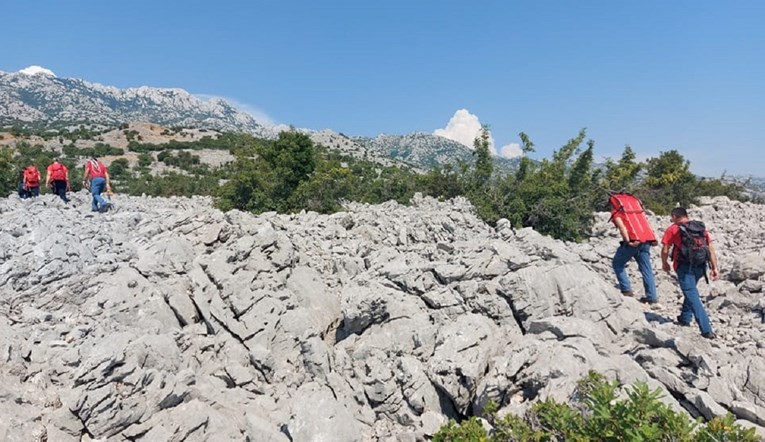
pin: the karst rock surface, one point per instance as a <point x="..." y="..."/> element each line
<point x="168" y="320"/>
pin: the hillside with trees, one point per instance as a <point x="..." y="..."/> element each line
<point x="556" y="196"/>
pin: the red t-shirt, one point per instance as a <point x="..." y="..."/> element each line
<point x="674" y="238"/>
<point x="97" y="170"/>
<point x="57" y="172"/>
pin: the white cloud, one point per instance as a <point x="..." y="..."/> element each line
<point x="34" y="70"/>
<point x="511" y="150"/>
<point x="465" y="127"/>
<point x="260" y="116"/>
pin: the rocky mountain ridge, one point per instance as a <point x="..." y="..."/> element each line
<point x="45" y="98"/>
<point x="169" y="320"/>
<point x="38" y="97"/>
<point x="426" y="150"/>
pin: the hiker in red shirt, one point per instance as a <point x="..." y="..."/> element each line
<point x="692" y="251"/>
<point x="628" y="216"/>
<point x="32" y="181"/>
<point x="99" y="181"/>
<point x="57" y="179"/>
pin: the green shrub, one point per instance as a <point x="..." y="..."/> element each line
<point x="118" y="167"/>
<point x="596" y="414"/>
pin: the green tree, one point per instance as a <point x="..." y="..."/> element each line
<point x="291" y="158"/>
<point x="484" y="166"/>
<point x="525" y="164"/>
<point x="622" y="175"/>
<point x="669" y="182"/>
<point x="268" y="181"/>
<point x="543" y="199"/>
<point x="325" y="190"/>
<point x="445" y="182"/>
<point x="145" y="159"/>
<point x="118" y="167"/>
<point x="9" y="172"/>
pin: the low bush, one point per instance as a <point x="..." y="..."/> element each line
<point x="597" y="414"/>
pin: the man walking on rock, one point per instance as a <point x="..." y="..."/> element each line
<point x="632" y="246"/>
<point x="99" y="181"/>
<point x="689" y="271"/>
<point x="57" y="179"/>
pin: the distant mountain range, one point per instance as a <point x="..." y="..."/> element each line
<point x="44" y="98"/>
<point x="36" y="97"/>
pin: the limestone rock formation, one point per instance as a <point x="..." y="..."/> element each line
<point x="168" y="320"/>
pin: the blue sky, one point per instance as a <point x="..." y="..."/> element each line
<point x="657" y="75"/>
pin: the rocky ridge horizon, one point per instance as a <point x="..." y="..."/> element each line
<point x="38" y="96"/>
<point x="170" y="320"/>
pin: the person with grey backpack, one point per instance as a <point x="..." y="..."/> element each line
<point x="692" y="253"/>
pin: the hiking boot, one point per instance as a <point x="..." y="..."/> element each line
<point x="628" y="293"/>
<point x="682" y="323"/>
<point x="709" y="335"/>
<point x="645" y="300"/>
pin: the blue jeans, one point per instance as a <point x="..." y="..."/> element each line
<point x="642" y="255"/>
<point x="97" y="187"/>
<point x="34" y="191"/>
<point x="688" y="277"/>
<point x="59" y="188"/>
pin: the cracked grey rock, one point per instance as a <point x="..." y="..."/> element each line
<point x="169" y="320"/>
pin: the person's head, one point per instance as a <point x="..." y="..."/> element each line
<point x="55" y="160"/>
<point x="678" y="213"/>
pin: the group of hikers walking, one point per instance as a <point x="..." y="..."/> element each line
<point x="57" y="180"/>
<point x="686" y="242"/>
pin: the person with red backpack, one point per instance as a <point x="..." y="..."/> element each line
<point x="628" y="215"/>
<point x="57" y="179"/>
<point x="32" y="181"/>
<point x="99" y="181"/>
<point x="23" y="194"/>
<point x="692" y="252"/>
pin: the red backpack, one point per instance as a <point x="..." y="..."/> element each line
<point x="32" y="176"/>
<point x="627" y="207"/>
<point x="57" y="172"/>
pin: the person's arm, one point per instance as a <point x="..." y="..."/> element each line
<point x="47" y="178"/>
<point x="623" y="232"/>
<point x="84" y="175"/>
<point x="665" y="258"/>
<point x="108" y="181"/>
<point x="714" y="271"/>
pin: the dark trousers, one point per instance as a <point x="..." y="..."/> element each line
<point x="34" y="191"/>
<point x="23" y="193"/>
<point x="59" y="188"/>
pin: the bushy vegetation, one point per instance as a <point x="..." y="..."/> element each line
<point x="596" y="413"/>
<point x="291" y="174"/>
<point x="556" y="196"/>
<point x="99" y="150"/>
<point x="226" y="141"/>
